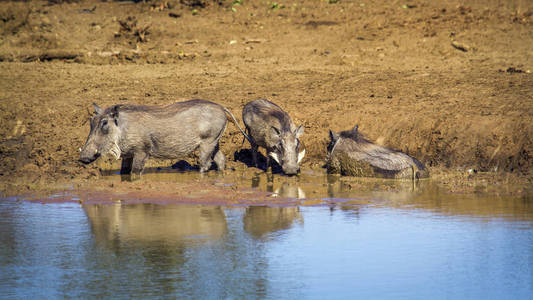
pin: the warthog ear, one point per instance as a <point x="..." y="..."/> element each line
<point x="114" y="114"/>
<point x="274" y="155"/>
<point x="299" y="131"/>
<point x="333" y="136"/>
<point x="97" y="109"/>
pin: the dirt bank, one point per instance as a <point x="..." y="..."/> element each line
<point x="448" y="82"/>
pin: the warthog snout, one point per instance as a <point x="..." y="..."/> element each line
<point x="291" y="170"/>
<point x="87" y="158"/>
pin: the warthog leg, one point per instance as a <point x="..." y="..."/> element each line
<point x="139" y="158"/>
<point x="219" y="159"/>
<point x="126" y="165"/>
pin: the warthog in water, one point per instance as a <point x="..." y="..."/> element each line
<point x="270" y="127"/>
<point x="135" y="133"/>
<point x="350" y="154"/>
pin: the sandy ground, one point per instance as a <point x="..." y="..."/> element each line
<point x="448" y="82"/>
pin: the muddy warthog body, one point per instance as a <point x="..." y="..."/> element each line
<point x="270" y="127"/>
<point x="350" y="154"/>
<point x="135" y="133"/>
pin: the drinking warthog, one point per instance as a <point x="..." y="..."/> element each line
<point x="135" y="133"/>
<point x="270" y="127"/>
<point x="350" y="154"/>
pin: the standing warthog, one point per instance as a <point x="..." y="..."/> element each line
<point x="135" y="133"/>
<point x="270" y="127"/>
<point x="350" y="154"/>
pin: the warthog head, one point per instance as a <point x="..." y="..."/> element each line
<point x="103" y="137"/>
<point x="335" y="137"/>
<point x="289" y="151"/>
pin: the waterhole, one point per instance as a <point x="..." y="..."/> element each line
<point x="306" y="237"/>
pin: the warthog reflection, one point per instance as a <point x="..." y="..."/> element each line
<point x="286" y="190"/>
<point x="261" y="220"/>
<point x="283" y="189"/>
<point x="150" y="223"/>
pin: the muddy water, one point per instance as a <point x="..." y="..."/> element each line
<point x="321" y="238"/>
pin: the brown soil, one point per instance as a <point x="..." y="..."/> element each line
<point x="448" y="82"/>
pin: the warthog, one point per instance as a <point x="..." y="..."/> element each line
<point x="135" y="133"/>
<point x="350" y="154"/>
<point x="270" y="127"/>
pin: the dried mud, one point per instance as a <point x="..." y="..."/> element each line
<point x="448" y="82"/>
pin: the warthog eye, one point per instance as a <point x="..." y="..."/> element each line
<point x="105" y="127"/>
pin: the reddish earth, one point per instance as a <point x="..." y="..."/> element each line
<point x="448" y="82"/>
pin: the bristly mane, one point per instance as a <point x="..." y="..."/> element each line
<point x="274" y="111"/>
<point x="354" y="134"/>
<point x="155" y="109"/>
<point x="283" y="118"/>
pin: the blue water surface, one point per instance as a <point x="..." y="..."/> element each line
<point x="367" y="251"/>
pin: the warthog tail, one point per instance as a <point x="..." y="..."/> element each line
<point x="237" y="124"/>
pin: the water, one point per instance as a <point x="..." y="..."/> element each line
<point x="420" y="245"/>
